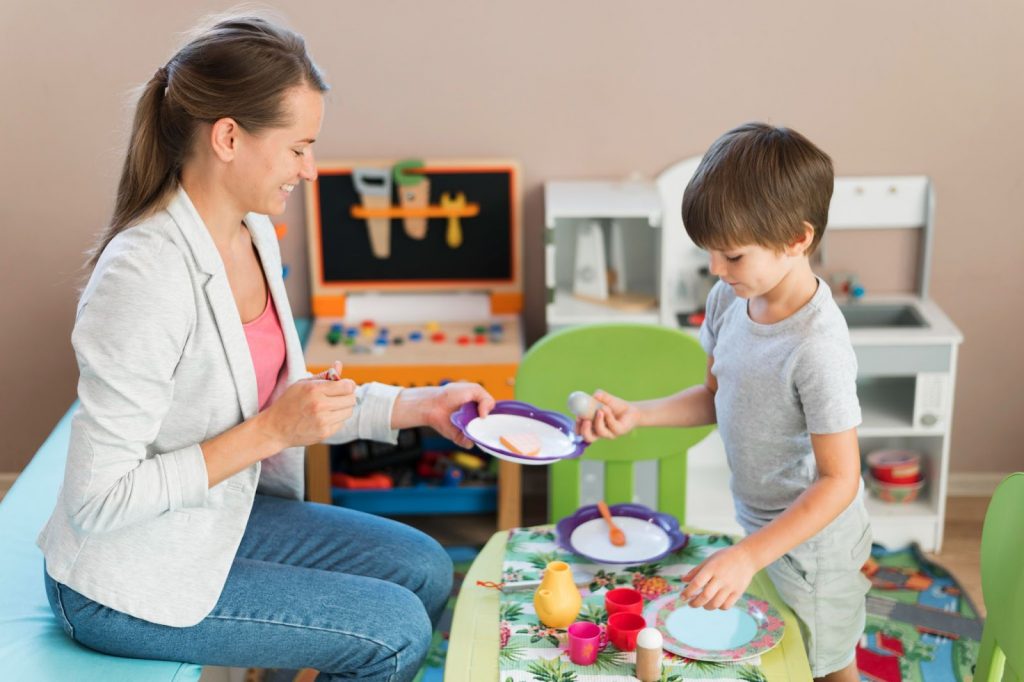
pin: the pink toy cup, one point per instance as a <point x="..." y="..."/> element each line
<point x="583" y="642"/>
<point x="623" y="600"/>
<point x="623" y="629"/>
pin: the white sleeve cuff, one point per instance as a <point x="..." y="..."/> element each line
<point x="187" y="478"/>
<point x="371" y="420"/>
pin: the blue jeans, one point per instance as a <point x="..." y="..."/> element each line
<point x="352" y="595"/>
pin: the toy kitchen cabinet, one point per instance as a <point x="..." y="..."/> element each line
<point x="880" y="238"/>
<point x="617" y="251"/>
<point x="602" y="250"/>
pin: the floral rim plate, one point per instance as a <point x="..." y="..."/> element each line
<point x="557" y="433"/>
<point x="750" y="628"/>
<point x="655" y="534"/>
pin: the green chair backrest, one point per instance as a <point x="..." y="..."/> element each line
<point x="634" y="362"/>
<point x="1002" y="584"/>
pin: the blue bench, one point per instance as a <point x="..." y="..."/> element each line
<point x="32" y="645"/>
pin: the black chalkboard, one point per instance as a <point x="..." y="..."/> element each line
<point x="487" y="251"/>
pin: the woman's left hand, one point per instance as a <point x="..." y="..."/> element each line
<point x="433" y="406"/>
<point x="721" y="579"/>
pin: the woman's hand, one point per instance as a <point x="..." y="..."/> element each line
<point x="433" y="406"/>
<point x="721" y="579"/>
<point x="615" y="417"/>
<point x="309" y="411"/>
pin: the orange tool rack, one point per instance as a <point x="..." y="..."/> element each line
<point x="416" y="279"/>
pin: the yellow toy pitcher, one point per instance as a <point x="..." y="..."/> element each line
<point x="557" y="599"/>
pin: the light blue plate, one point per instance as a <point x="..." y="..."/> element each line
<point x="748" y="629"/>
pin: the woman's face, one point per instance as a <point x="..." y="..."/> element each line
<point x="271" y="163"/>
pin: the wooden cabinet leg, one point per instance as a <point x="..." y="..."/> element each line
<point x="318" y="473"/>
<point x="509" y="495"/>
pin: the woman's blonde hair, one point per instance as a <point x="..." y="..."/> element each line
<point x="240" y="67"/>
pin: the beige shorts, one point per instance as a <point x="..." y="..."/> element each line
<point x="821" y="581"/>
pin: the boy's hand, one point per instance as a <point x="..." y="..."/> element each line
<point x="723" y="577"/>
<point x="616" y="417"/>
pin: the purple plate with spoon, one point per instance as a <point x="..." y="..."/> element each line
<point x="554" y="431"/>
<point x="650" y="535"/>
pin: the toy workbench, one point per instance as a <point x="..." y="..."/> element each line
<point x="416" y="278"/>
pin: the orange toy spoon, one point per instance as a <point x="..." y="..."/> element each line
<point x="615" y="534"/>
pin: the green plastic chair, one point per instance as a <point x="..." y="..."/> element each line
<point x="634" y="362"/>
<point x="1002" y="584"/>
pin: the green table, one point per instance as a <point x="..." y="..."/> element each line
<point x="473" y="643"/>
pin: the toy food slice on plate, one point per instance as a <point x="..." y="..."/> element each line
<point x="748" y="629"/>
<point x="527" y="444"/>
<point x="519" y="432"/>
<point x="650" y="535"/>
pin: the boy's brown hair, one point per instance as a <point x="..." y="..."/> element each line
<point x="757" y="184"/>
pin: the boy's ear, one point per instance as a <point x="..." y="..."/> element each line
<point x="799" y="246"/>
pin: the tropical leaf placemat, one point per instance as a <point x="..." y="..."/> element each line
<point x="533" y="652"/>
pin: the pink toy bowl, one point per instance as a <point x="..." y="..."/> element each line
<point x="901" y="493"/>
<point x="623" y="600"/>
<point x="895" y="466"/>
<point x="623" y="629"/>
<point x="584" y="642"/>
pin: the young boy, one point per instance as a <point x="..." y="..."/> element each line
<point x="781" y="386"/>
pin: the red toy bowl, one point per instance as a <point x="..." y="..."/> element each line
<point x="900" y="493"/>
<point x="895" y="466"/>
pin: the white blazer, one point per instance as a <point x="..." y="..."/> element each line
<point x="164" y="365"/>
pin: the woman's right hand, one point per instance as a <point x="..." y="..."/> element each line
<point x="615" y="417"/>
<point x="310" y="410"/>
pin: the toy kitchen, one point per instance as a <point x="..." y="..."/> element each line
<point x="876" y="256"/>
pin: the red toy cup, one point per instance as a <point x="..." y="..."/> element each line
<point x="623" y="629"/>
<point x="623" y="600"/>
<point x="583" y="642"/>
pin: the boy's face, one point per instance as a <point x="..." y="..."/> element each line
<point x="752" y="270"/>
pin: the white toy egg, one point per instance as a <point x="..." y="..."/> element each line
<point x="649" y="638"/>
<point x="583" y="405"/>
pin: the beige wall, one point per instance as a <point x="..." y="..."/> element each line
<point x="572" y="89"/>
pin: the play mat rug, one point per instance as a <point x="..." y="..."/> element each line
<point x="921" y="626"/>
<point x="530" y="652"/>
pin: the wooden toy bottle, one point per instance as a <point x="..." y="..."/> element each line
<point x="557" y="599"/>
<point x="648" y="655"/>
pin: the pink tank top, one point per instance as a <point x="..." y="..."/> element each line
<point x="266" y="345"/>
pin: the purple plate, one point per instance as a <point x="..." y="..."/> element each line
<point x="650" y="535"/>
<point x="555" y="431"/>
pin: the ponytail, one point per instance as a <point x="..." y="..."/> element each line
<point x="150" y="167"/>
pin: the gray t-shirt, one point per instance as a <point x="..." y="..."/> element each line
<point x="777" y="384"/>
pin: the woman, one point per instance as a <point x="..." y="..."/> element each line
<point x="180" y="532"/>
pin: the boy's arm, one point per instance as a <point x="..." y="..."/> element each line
<point x="730" y="571"/>
<point x="693" y="406"/>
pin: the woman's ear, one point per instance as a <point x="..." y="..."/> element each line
<point x="224" y="138"/>
<point x="799" y="246"/>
